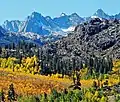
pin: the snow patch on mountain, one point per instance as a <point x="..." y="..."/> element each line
<point x="69" y="29"/>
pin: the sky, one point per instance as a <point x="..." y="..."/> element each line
<point x="20" y="9"/>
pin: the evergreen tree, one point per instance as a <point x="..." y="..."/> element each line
<point x="11" y="93"/>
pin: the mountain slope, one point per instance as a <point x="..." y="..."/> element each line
<point x="35" y="23"/>
<point x="66" y="21"/>
<point x="13" y="25"/>
<point x="2" y="31"/>
<point x="96" y="38"/>
<point x="51" y="23"/>
<point x="7" y="37"/>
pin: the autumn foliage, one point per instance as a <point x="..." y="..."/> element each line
<point x="27" y="65"/>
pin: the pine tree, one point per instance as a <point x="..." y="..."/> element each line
<point x="73" y="64"/>
<point x="91" y="61"/>
<point x="11" y="93"/>
<point x="45" y="97"/>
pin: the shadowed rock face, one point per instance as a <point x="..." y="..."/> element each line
<point x="2" y="31"/>
<point x="96" y="37"/>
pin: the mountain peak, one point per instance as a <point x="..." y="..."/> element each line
<point x="99" y="12"/>
<point x="48" y="18"/>
<point x="74" y="14"/>
<point x="35" y="14"/>
<point x="63" y="14"/>
<point x="12" y="25"/>
<point x="7" y="21"/>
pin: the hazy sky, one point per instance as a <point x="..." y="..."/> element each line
<point x="20" y="9"/>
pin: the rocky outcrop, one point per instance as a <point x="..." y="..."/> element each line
<point x="96" y="37"/>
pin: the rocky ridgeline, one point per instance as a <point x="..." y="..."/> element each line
<point x="97" y="37"/>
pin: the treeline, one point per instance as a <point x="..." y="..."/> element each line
<point x="19" y="50"/>
<point x="49" y="61"/>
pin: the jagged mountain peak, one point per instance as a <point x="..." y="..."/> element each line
<point x="6" y="21"/>
<point x="35" y="14"/>
<point x="39" y="24"/>
<point x="62" y="14"/>
<point x="100" y="11"/>
<point x="66" y="21"/>
<point x="75" y="15"/>
<point x="48" y="18"/>
<point x="101" y="14"/>
<point x="12" y="25"/>
<point x="12" y="21"/>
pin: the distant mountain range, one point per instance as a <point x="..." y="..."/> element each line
<point x="37" y="27"/>
<point x="36" y="23"/>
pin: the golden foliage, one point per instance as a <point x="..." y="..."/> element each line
<point x="30" y="84"/>
<point x="27" y="65"/>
